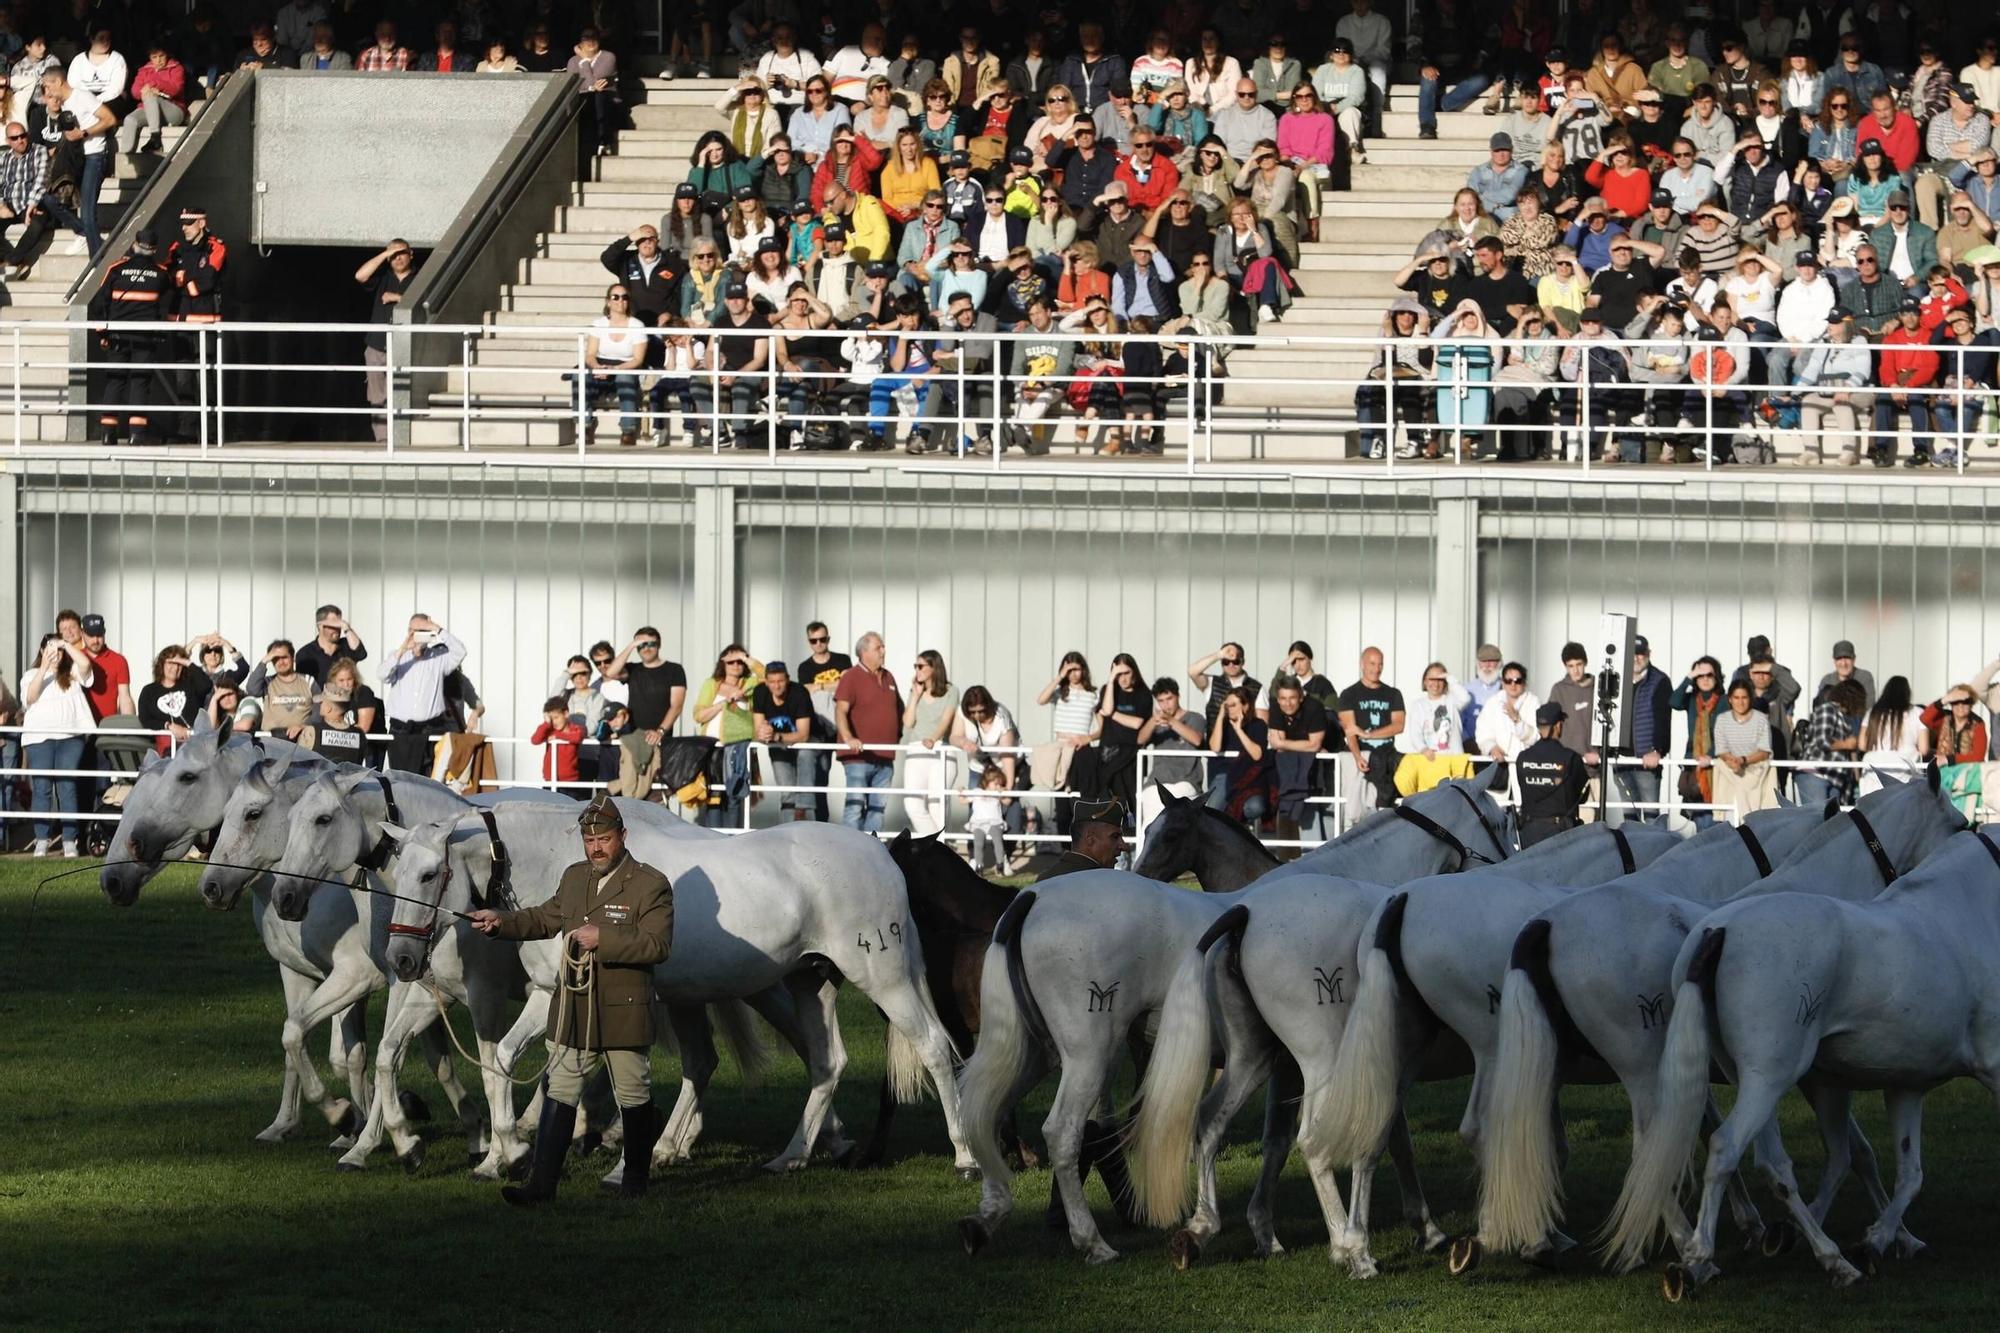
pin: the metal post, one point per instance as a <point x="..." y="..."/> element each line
<point x="714" y="396"/>
<point x="201" y="381"/>
<point x="582" y="394"/>
<point x="1389" y="405"/>
<point x="1708" y="420"/>
<point x="465" y="391"/>
<point x="19" y="371"/>
<point x="1207" y="410"/>
<point x="1140" y="777"/>
<point x="771" y="409"/>
<point x="1195" y="368"/>
<point x="1000" y="350"/>
<point x="221" y="360"/>
<point x="1583" y="412"/>
<point x="960" y="418"/>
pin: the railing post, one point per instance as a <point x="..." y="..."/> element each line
<point x="1388" y="405"/>
<point x="221" y="363"/>
<point x="1141" y="774"/>
<point x="1708" y="420"/>
<point x="714" y="395"/>
<point x="961" y="419"/>
<point x="201" y="382"/>
<point x="1001" y="351"/>
<point x="465" y="391"/>
<point x="582" y="396"/>
<point x="1196" y="369"/>
<point x="19" y="403"/>
<point x="1583" y="411"/>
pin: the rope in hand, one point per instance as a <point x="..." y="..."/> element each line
<point x="576" y="975"/>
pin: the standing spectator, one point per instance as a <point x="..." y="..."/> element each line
<point x="91" y="128"/>
<point x="1832" y="733"/>
<point x="656" y="688"/>
<point x="1844" y="669"/>
<point x="987" y="733"/>
<point x="333" y="639"/>
<point x="110" y="684"/>
<point x="927" y="720"/>
<point x="1123" y="705"/>
<point x="1298" y="727"/>
<point x="10" y="744"/>
<point x="1507" y="721"/>
<point x="1652" y="718"/>
<point x="781" y="714"/>
<point x="57" y="721"/>
<point x="1699" y="695"/>
<point x="1894" y="740"/>
<point x="820" y="671"/>
<point x="284" y="693"/>
<point x="1073" y="696"/>
<point x="1576" y="694"/>
<point x="218" y="659"/>
<point x="1484" y="685"/>
<point x="723" y="710"/>
<point x="385" y="287"/>
<point x="1371" y="716"/>
<point x="560" y="736"/>
<point x="1743" y="779"/>
<point x="176" y="697"/>
<point x="1958" y="744"/>
<point x="1432" y="737"/>
<point x="868" y="710"/>
<point x="415" y="680"/>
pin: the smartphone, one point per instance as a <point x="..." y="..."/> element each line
<point x="425" y="635"/>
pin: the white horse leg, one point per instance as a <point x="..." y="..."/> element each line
<point x="776" y="1005"/>
<point x="1082" y="1083"/>
<point x="1754" y="1117"/>
<point x="1240" y="1078"/>
<point x="911" y="1014"/>
<point x="1352" y="1247"/>
<point x="1326" y="1184"/>
<point x="698" y="1065"/>
<point x="1906" y="1125"/>
<point x="347" y="1043"/>
<point x="826" y="1058"/>
<point x="344" y="986"/>
<point x="438" y="1059"/>
<point x="996" y="1196"/>
<point x="385" y="1111"/>
<point x="298" y="988"/>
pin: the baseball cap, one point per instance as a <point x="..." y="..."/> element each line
<point x="1488" y="652"/>
<point x="878" y="269"/>
<point x="1590" y="314"/>
<point x="834" y="232"/>
<point x="1500" y="141"/>
<point x="1020" y="157"/>
<point x="93" y="623"/>
<point x="686" y="190"/>
<point x="1556" y="53"/>
<point x="1662" y="199"/>
<point x="802" y="208"/>
<point x="775" y="669"/>
<point x="1843" y="648"/>
<point x="770" y="246"/>
<point x="147" y="240"/>
<point x="1641" y="648"/>
<point x="961" y="158"/>
<point x="735" y="291"/>
<point x="1342" y="45"/>
<point x="1548" y="715"/>
<point x="1911" y="303"/>
<point x="1899" y="197"/>
<point x="1964" y="91"/>
<point x="1805" y="257"/>
<point x="743" y="192"/>
<point x="861" y="323"/>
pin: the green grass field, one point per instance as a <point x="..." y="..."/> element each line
<point x="139" y="1054"/>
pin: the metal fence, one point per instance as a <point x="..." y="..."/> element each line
<point x="1467" y="397"/>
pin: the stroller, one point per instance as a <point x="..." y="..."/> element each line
<point x="121" y="757"/>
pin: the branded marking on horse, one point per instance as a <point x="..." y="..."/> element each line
<point x="1102" y="997"/>
<point x="1652" y="1011"/>
<point x="1809" y="1003"/>
<point x="1327" y="985"/>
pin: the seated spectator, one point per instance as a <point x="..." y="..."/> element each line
<point x="1342" y="87"/>
<point x="1156" y="69"/>
<point x="1871" y="183"/>
<point x="1244" y="123"/>
<point x="446" y="56"/>
<point x="785" y="67"/>
<point x="263" y="52"/>
<point x="850" y="161"/>
<point x="1966" y="228"/>
<point x="1212" y="75"/>
<point x="1119" y="224"/>
<point x="1625" y="187"/>
<point x="1897" y="131"/>
<point x="970" y="73"/>
<point x="1276" y="73"/>
<point x="1502" y="294"/>
<point x="539" y="55"/>
<point x="751" y="119"/>
<point x="1688" y="181"/>
<point x="1151" y="179"/>
<point x="1211" y="181"/>
<point x="1248" y="257"/>
<point x="499" y="59"/>
<point x="994" y="232"/>
<point x="1528" y="126"/>
<point x="731" y="398"/>
<point x="686" y="222"/>
<point x="1203" y="299"/>
<point x="1831" y="378"/>
<point x="1405" y="367"/>
<point x="1606" y="424"/>
<point x="815" y="120"/>
<point x="880" y="119"/>
<point x="1434" y="281"/>
<point x="849" y="70"/>
<point x="1908" y="247"/>
<point x="1752" y="293"/>
<point x="909" y="182"/>
<point x="1907" y="362"/>
<point x="911" y="72"/>
<point x="1708" y="127"/>
<point x="1873" y="297"/>
<point x="1117" y="117"/>
<point x="160" y="92"/>
<point x="1179" y="231"/>
<point x="1592" y="235"/>
<point x="1968" y="362"/>
<point x="749" y="226"/>
<point x="1143" y="286"/>
<point x="937" y="124"/>
<point x="1177" y="124"/>
<point x="1563" y="291"/>
<point x="386" y="55"/>
<point x="785" y="182"/>
<point x="1652" y="134"/>
<point x="1529" y="236"/>
<point x="1805" y="309"/>
<point x="613" y="355"/>
<point x="770" y="277"/>
<point x="717" y="171"/>
<point x="1615" y="78"/>
<point x="1052" y="229"/>
<point x="1087" y="172"/>
<point x="1558" y="185"/>
<point x="1037" y="373"/>
<point x="1715" y="235"/>
<point x="1716" y="404"/>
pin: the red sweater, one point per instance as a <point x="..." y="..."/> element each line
<point x="1628" y="195"/>
<point x="1904" y="350"/>
<point x="558" y="759"/>
<point x="170" y="81"/>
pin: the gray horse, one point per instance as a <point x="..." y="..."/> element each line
<point x="1590" y="986"/>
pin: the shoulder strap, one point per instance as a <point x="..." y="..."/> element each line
<point x="1873" y="842"/>
<point x="1991" y="850"/>
<point x="1756" y="850"/>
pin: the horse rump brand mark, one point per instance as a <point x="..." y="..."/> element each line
<point x="881" y="941"/>
<point x="1809" y="1003"/>
<point x="1327" y="985"/>
<point x="1492" y="998"/>
<point x="1652" y="1012"/>
<point x="1101" y="997"/>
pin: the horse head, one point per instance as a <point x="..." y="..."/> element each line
<point x="326" y="838"/>
<point x="251" y="835"/>
<point x="170" y="804"/>
<point x="1173" y="839"/>
<point x="434" y="875"/>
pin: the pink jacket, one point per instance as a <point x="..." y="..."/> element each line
<point x="1306" y="136"/>
<point x="170" y="82"/>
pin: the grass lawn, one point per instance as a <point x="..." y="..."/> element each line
<point x="139" y="1054"/>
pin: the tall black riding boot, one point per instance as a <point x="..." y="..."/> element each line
<point x="552" y="1136"/>
<point x="643" y="1126"/>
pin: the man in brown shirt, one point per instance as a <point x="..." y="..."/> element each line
<point x="619" y="916"/>
<point x="868" y="712"/>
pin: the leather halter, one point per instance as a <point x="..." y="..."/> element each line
<point x="1625" y="857"/>
<point x="1450" y="839"/>
<point x="1873" y="841"/>
<point x="1991" y="850"/>
<point x="500" y="884"/>
<point x="1756" y="850"/>
<point x="385" y="847"/>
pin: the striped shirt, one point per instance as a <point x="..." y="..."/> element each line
<point x="375" y="60"/>
<point x="1073" y="715"/>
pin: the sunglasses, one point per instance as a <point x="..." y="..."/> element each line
<point x="1864" y="261"/>
<point x="1678" y="155"/>
<point x="1704" y="675"/>
<point x="1232" y="661"/>
<point x="1433" y="680"/>
<point x="620" y="296"/>
<point x="648" y="643"/>
<point x="1058" y="101"/>
<point x="1246" y="96"/>
<point x="1051" y="198"/>
<point x="579" y="675"/>
<point x="1767" y="101"/>
<point x="931" y="206"/>
<point x="601" y="661"/>
<point x="17" y="138"/>
<point x="1837" y="106"/>
<point x="1959" y="703"/>
<point x="1198" y="263"/>
<point x="822" y="639"/>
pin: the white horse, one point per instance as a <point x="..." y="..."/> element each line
<point x="1080" y="963"/>
<point x="173" y="804"/>
<point x="1590" y="987"/>
<point x="749" y="914"/>
<point x="330" y="953"/>
<point x="338" y="823"/>
<point x="1433" y="954"/>
<point x="1266" y="990"/>
<point x="1900" y="993"/>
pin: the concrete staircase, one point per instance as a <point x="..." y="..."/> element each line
<point x="1279" y="404"/>
<point x="43" y="299"/>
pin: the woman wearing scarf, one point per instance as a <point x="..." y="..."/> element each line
<point x="1699" y="695"/>
<point x="753" y="122"/>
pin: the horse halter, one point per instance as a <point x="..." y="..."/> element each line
<point x="378" y="856"/>
<point x="1450" y="839"/>
<point x="499" y="885"/>
<point x="1760" y="856"/>
<point x="1873" y="841"/>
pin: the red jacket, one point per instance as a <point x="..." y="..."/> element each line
<point x="1155" y="189"/>
<point x="860" y="177"/>
<point x="170" y="81"/>
<point x="1919" y="358"/>
<point x="1628" y="196"/>
<point x="1971" y="742"/>
<point x="1899" y="141"/>
<point x="559" y="756"/>
<point x="1936" y="308"/>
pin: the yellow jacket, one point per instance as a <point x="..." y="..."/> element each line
<point x="867" y="229"/>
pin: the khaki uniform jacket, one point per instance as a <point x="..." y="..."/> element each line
<point x="1069" y="863"/>
<point x="634" y="916"/>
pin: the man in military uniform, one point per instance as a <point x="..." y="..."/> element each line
<point x="1097" y="836"/>
<point x="1552" y="778"/>
<point x="619" y="917"/>
<point x="134" y="291"/>
<point x="195" y="263"/>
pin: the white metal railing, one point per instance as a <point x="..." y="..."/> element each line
<point x="1587" y="416"/>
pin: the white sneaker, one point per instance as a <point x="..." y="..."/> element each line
<point x="41" y="847"/>
<point x="77" y="246"/>
<point x="69" y="849"/>
<point x="1266" y="314"/>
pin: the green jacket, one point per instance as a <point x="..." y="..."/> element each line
<point x="634" y="916"/>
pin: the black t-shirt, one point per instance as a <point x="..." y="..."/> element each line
<point x="783" y="715"/>
<point x="1619" y="293"/>
<point x="342" y="744"/>
<point x="824" y="675"/>
<point x="1372" y="709"/>
<point x="316" y="661"/>
<point x="182" y="703"/>
<point x="1552" y="778"/>
<point x="380" y="311"/>
<point x="1242" y="764"/>
<point x="1437" y="298"/>
<point x="650" y="691"/>
<point x="1496" y="294"/>
<point x="1299" y="726"/>
<point x="737" y="353"/>
<point x="1137" y="702"/>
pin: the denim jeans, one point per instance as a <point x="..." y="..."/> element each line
<point x="1812" y="791"/>
<point x="1432" y="97"/>
<point x="1640" y="785"/>
<point x="625" y="386"/>
<point x="815" y="770"/>
<point x="10" y="757"/>
<point x="95" y="165"/>
<point x="864" y="812"/>
<point x="1254" y="807"/>
<point x="56" y="793"/>
<point x="785" y="773"/>
<point x="728" y="813"/>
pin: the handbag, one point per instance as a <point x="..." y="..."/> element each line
<point x="1690" y="787"/>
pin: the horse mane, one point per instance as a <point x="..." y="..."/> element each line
<point x="1238" y="827"/>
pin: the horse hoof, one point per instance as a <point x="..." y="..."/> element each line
<point x="1431" y="1241"/>
<point x="1361" y="1267"/>
<point x="344" y="1118"/>
<point x="518" y="1168"/>
<point x="1184" y="1250"/>
<point x="972" y="1234"/>
<point x="969" y="1173"/>
<point x="1466" y="1254"/>
<point x="1675" y="1284"/>
<point x="346" y="1167"/>
<point x="473" y="1159"/>
<point x="272" y="1135"/>
<point x="1780" y="1239"/>
<point x="1753" y="1242"/>
<point x="588" y="1144"/>
<point x="1864" y="1258"/>
<point x="415" y="1108"/>
<point x="413" y="1160"/>
<point x="341" y="1143"/>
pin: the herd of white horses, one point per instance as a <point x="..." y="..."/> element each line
<point x="1832" y="952"/>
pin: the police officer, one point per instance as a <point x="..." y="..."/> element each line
<point x="1552" y="778"/>
<point x="619" y="918"/>
<point x="195" y="261"/>
<point x="134" y="291"/>
<point x="1097" y="836"/>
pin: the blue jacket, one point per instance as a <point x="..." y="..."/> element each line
<point x="1092" y="85"/>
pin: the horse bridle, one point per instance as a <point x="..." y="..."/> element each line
<point x="1756" y="850"/>
<point x="385" y="847"/>
<point x="499" y="885"/>
<point x="1873" y="842"/>
<point x="1450" y="839"/>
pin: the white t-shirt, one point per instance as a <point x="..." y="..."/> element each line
<point x="84" y="107"/>
<point x="57" y="713"/>
<point x="991" y="731"/>
<point x="1756" y="297"/>
<point x="106" y="82"/>
<point x="618" y="342"/>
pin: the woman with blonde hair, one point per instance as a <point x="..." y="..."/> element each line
<point x="1099" y="364"/>
<point x="1082" y="279"/>
<point x="1057" y="124"/>
<point x="752" y="120"/>
<point x="907" y="177"/>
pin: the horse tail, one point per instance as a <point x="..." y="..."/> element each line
<point x="1348" y="1114"/>
<point x="1009" y="1024"/>
<point x="906" y="1074"/>
<point x="1177" y="1074"/>
<point x="738" y="1025"/>
<point x="1520" y="1181"/>
<point x="1660" y="1158"/>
